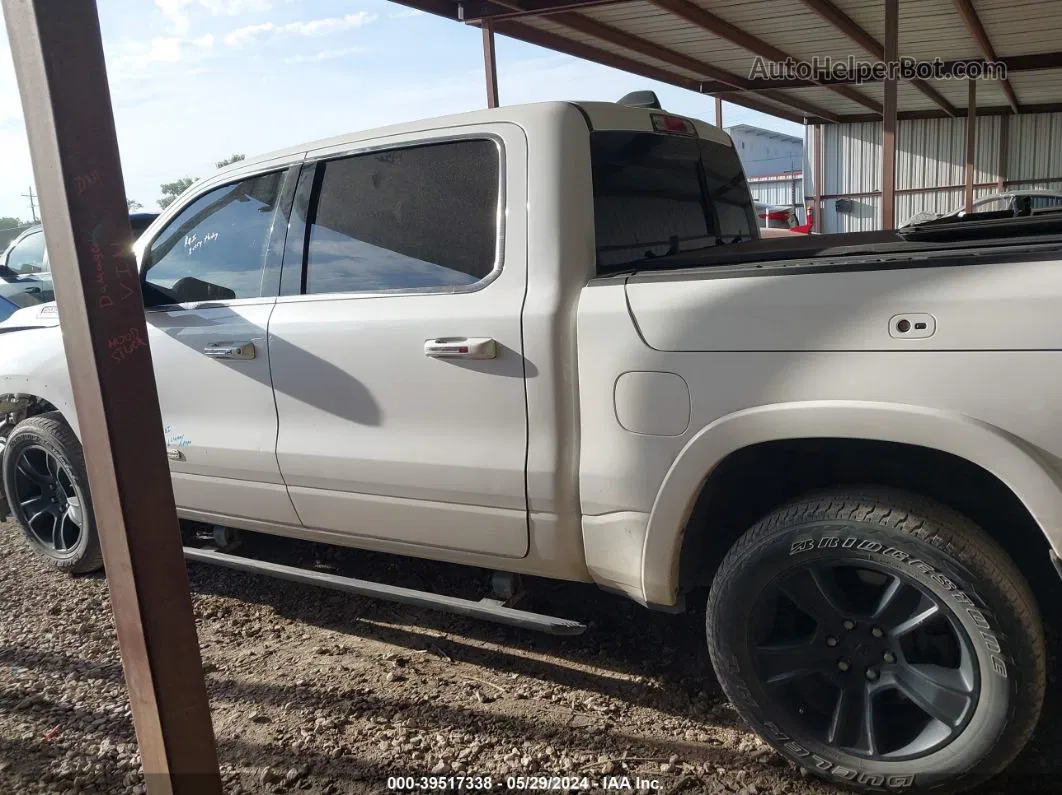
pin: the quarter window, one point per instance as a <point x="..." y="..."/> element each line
<point x="216" y="248"/>
<point x="405" y="219"/>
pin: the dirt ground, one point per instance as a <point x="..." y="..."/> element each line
<point x="320" y="692"/>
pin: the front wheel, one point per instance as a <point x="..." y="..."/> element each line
<point x="880" y="640"/>
<point x="47" y="492"/>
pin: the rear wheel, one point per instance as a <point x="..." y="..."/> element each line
<point x="879" y="640"/>
<point x="47" y="490"/>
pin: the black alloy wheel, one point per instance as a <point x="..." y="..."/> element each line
<point x="880" y="640"/>
<point x="48" y="499"/>
<point x="866" y="659"/>
<point x="44" y="479"/>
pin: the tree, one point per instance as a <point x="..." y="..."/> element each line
<point x="10" y="222"/>
<point x="134" y="205"/>
<point x="171" y="190"/>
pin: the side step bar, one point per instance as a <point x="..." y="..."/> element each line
<point x="486" y="609"/>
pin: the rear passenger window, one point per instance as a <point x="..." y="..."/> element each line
<point x="405" y="219"/>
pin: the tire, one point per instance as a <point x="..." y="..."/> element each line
<point x="937" y="631"/>
<point x="27" y="453"/>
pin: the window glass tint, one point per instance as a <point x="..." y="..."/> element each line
<point x="659" y="194"/>
<point x="404" y="219"/>
<point x="1045" y="202"/>
<point x="216" y="248"/>
<point x="989" y="205"/>
<point x="28" y="255"/>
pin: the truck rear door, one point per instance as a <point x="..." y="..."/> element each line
<point x="396" y="349"/>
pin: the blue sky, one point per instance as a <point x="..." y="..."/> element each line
<point x="193" y="81"/>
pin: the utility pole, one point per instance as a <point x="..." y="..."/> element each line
<point x="33" y="202"/>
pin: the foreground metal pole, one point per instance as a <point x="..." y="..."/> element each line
<point x="971" y="142"/>
<point x="59" y="62"/>
<point x="490" y="64"/>
<point x="888" y="148"/>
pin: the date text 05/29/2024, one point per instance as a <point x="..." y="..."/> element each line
<point x="473" y="783"/>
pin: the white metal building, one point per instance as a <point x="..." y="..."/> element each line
<point x="1012" y="152"/>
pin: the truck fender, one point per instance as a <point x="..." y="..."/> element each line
<point x="1016" y="464"/>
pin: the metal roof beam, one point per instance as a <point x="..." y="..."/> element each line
<point x="542" y="38"/>
<point x="475" y="12"/>
<point x="627" y="41"/>
<point x="1016" y="63"/>
<point x="994" y="110"/>
<point x="977" y="30"/>
<point x="718" y="26"/>
<point x="849" y="27"/>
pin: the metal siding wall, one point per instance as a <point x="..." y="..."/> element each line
<point x="1034" y="147"/>
<point x="931" y="153"/>
<point x="779" y="191"/>
<point x="851" y="158"/>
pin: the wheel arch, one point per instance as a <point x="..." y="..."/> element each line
<point x="1019" y="468"/>
<point x="47" y="395"/>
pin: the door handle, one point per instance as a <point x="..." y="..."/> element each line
<point x="461" y="348"/>
<point x="230" y="350"/>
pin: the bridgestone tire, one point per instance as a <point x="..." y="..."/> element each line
<point x="50" y="432"/>
<point x="946" y="557"/>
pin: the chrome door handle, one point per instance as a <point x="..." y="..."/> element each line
<point x="461" y="348"/>
<point x="230" y="350"/>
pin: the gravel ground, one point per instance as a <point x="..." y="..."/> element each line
<point x="320" y="692"/>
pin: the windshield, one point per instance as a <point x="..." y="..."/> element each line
<point x="658" y="194"/>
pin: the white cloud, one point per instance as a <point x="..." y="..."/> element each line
<point x="247" y="34"/>
<point x="313" y="27"/>
<point x="324" y="55"/>
<point x="163" y="49"/>
<point x="177" y="11"/>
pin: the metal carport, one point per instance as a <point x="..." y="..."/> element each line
<point x="713" y="46"/>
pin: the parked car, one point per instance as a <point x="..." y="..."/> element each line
<point x="772" y="217"/>
<point x="26" y="276"/>
<point x="7" y="308"/>
<point x="548" y="340"/>
<point x="1020" y="202"/>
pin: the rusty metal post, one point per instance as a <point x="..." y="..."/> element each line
<point x="971" y="143"/>
<point x="888" y="147"/>
<point x="62" y="78"/>
<point x="490" y="64"/>
<point x="1004" y="143"/>
<point x="820" y="171"/>
<point x="719" y="113"/>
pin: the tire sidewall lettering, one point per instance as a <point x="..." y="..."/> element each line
<point x="984" y="632"/>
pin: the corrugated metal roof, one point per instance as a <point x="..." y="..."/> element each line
<point x="689" y="42"/>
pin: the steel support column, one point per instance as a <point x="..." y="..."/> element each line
<point x="58" y="55"/>
<point x="971" y="142"/>
<point x="490" y="64"/>
<point x="719" y="113"/>
<point x="1004" y="142"/>
<point x="820" y="170"/>
<point x="888" y="143"/>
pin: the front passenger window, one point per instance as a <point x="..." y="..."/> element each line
<point x="215" y="249"/>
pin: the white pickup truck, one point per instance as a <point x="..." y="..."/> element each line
<point x="547" y="340"/>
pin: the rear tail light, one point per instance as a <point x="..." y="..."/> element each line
<point x="673" y="124"/>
